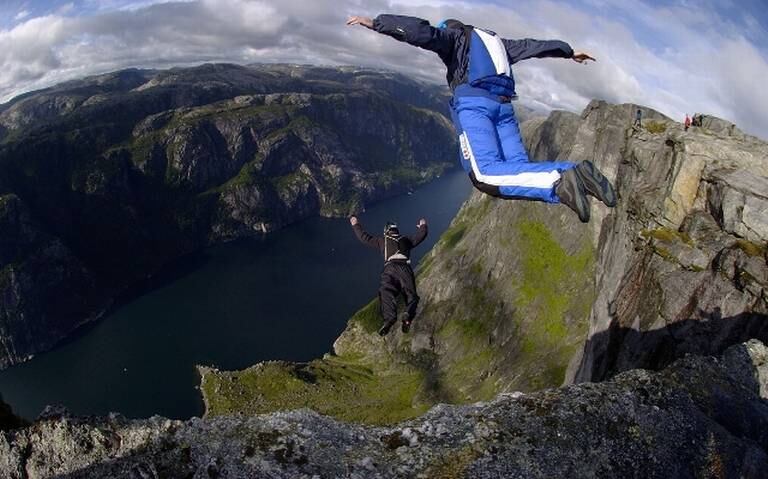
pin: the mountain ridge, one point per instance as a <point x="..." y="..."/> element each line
<point x="129" y="170"/>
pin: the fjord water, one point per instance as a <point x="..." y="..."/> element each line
<point x="285" y="296"/>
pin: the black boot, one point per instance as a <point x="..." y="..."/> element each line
<point x="572" y="194"/>
<point x="384" y="330"/>
<point x="595" y="183"/>
<point x="405" y="326"/>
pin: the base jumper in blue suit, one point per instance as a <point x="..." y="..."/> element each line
<point x="479" y="73"/>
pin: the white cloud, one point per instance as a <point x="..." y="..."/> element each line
<point x="676" y="59"/>
<point x="21" y="15"/>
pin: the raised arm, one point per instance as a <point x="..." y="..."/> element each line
<point x="412" y="30"/>
<point x="365" y="237"/>
<point x="529" y="48"/>
<point x="421" y="233"/>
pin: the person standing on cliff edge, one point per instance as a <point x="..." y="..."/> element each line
<point x="480" y="77"/>
<point x="397" y="276"/>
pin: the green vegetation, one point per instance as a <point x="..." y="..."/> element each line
<point x="424" y="266"/>
<point x="141" y="148"/>
<point x="368" y="317"/>
<point x="466" y="330"/>
<point x="335" y="386"/>
<point x="401" y="174"/>
<point x="227" y="111"/>
<point x="548" y="292"/>
<point x="665" y="254"/>
<point x="338" y="200"/>
<point x="295" y="125"/>
<point x="453" y="235"/>
<point x="751" y="248"/>
<point x="291" y="180"/>
<point x="249" y="174"/>
<point x="468" y="216"/>
<point x="667" y="235"/>
<point x="454" y="464"/>
<point x="655" y="127"/>
<point x="382" y="381"/>
<point x="466" y="379"/>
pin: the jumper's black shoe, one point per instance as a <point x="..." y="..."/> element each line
<point x="572" y="194"/>
<point x="384" y="330"/>
<point x="595" y="183"/>
<point x="405" y="326"/>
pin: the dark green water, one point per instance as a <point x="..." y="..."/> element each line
<point x="286" y="296"/>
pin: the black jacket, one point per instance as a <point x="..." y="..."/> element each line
<point x="377" y="242"/>
<point x="451" y="44"/>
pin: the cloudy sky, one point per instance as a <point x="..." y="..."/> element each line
<point x="677" y="56"/>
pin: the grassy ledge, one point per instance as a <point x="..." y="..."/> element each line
<point x="335" y="386"/>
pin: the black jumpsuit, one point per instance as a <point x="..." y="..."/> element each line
<point x="397" y="275"/>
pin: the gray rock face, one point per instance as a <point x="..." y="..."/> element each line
<point x="739" y="200"/>
<point x="679" y="263"/>
<point x="681" y="260"/>
<point x="701" y="417"/>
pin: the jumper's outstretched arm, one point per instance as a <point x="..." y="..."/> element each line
<point x="582" y="57"/>
<point x="367" y="22"/>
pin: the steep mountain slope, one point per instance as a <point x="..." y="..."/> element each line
<point x="519" y="296"/>
<point x="110" y="177"/>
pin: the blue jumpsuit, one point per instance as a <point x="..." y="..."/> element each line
<point x="480" y="75"/>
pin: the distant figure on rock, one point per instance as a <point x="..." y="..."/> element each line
<point x="397" y="275"/>
<point x="638" y="118"/>
<point x="480" y="76"/>
<point x="687" y="122"/>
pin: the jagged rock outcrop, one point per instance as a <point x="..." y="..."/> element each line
<point x="701" y="417"/>
<point x="682" y="262"/>
<point x="121" y="173"/>
<point x="518" y="296"/>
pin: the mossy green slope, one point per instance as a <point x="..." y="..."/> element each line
<point x="506" y="295"/>
<point x="337" y="386"/>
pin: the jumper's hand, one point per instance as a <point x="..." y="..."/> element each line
<point x="367" y="22"/>
<point x="353" y="220"/>
<point x="582" y="57"/>
<point x="422" y="222"/>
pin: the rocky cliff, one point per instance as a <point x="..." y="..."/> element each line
<point x="519" y="296"/>
<point x="701" y="417"/>
<point x="682" y="260"/>
<point x="106" y="179"/>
